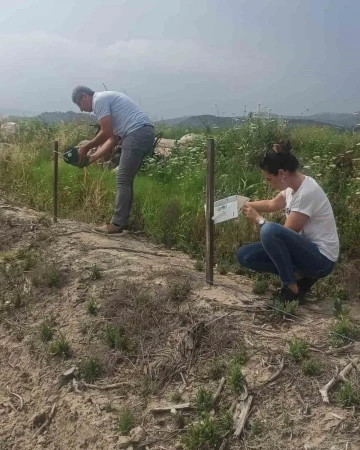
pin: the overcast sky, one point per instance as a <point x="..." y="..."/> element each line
<point x="181" y="57"/>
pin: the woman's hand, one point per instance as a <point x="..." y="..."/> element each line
<point x="250" y="213"/>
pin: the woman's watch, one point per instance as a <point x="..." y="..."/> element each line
<point x="261" y="221"/>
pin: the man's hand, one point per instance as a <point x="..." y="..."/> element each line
<point x="82" y="152"/>
<point x="250" y="213"/>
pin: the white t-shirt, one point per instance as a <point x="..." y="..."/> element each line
<point x="320" y="229"/>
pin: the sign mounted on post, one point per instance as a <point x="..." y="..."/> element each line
<point x="228" y="208"/>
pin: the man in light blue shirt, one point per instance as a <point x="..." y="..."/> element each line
<point x="120" y="118"/>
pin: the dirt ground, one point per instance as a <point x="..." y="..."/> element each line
<point x="178" y="336"/>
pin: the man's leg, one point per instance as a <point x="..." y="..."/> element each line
<point x="134" y="147"/>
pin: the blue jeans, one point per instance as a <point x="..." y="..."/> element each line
<point x="283" y="252"/>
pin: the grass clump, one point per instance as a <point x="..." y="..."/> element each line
<point x="298" y="349"/>
<point x="203" y="435"/>
<point x="90" y="369"/>
<point x="241" y="356"/>
<point x="343" y="330"/>
<point x="236" y="378"/>
<point x="126" y="421"/>
<point x="348" y="395"/>
<point x="286" y="309"/>
<point x="216" y="369"/>
<point x="223" y="267"/>
<point x="116" y="338"/>
<point x="60" y="347"/>
<point x="179" y="290"/>
<point x="256" y="427"/>
<point x="260" y="287"/>
<point x="47" y="330"/>
<point x="312" y="367"/>
<point x="203" y="401"/>
<point x="95" y="273"/>
<point x="92" y="307"/>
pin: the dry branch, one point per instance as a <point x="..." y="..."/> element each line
<point x="47" y="421"/>
<point x="240" y="423"/>
<point x="218" y="391"/>
<point x="277" y="374"/>
<point x="324" y="391"/>
<point x="169" y="408"/>
<point x="106" y="387"/>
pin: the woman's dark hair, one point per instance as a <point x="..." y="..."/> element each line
<point x="278" y="156"/>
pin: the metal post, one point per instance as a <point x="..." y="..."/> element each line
<point x="210" y="177"/>
<point x="55" y="180"/>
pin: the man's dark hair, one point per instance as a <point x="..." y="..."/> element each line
<point x="278" y="156"/>
<point x="78" y="91"/>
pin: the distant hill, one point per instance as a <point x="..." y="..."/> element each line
<point x="208" y="120"/>
<point x="339" y="119"/>
<point x="56" y="117"/>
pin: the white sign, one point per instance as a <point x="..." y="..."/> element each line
<point x="228" y="208"/>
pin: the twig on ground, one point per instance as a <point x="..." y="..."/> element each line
<point x="20" y="399"/>
<point x="218" y="391"/>
<point x="47" y="421"/>
<point x="170" y="407"/>
<point x="277" y="374"/>
<point x="324" y="391"/>
<point x="240" y="423"/>
<point x="106" y="387"/>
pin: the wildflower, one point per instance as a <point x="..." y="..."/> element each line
<point x="357" y="193"/>
<point x="319" y="175"/>
<point x="307" y="167"/>
<point x="333" y="166"/>
<point x="316" y="157"/>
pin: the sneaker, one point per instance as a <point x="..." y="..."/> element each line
<point x="305" y="284"/>
<point x="110" y="228"/>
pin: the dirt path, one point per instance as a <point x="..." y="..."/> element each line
<point x="137" y="314"/>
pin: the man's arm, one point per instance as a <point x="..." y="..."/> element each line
<point x="105" y="133"/>
<point x="104" y="149"/>
<point x="268" y="206"/>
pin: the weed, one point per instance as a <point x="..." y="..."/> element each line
<point x="60" y="347"/>
<point x="179" y="290"/>
<point x="312" y="367"/>
<point x="95" y="273"/>
<point x="260" y="287"/>
<point x="225" y="422"/>
<point x="90" y="369"/>
<point x="46" y="329"/>
<point x="126" y="421"/>
<point x="199" y="266"/>
<point x="286" y="309"/>
<point x="44" y="220"/>
<point x="348" y="395"/>
<point x="342" y="329"/>
<point x="236" y="378"/>
<point x="202" y="435"/>
<point x="176" y="397"/>
<point x="256" y="427"/>
<point x="240" y="356"/>
<point x="48" y="275"/>
<point x="339" y="309"/>
<point x="298" y="349"/>
<point x="142" y="299"/>
<point x="223" y="267"/>
<point x="92" y="307"/>
<point x="116" y="338"/>
<point x="203" y="401"/>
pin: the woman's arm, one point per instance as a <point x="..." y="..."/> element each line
<point x="276" y="204"/>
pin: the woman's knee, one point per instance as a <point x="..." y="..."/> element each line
<point x="269" y="229"/>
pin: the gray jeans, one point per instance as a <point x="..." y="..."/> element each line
<point x="134" y="148"/>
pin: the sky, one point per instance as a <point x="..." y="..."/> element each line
<point x="183" y="57"/>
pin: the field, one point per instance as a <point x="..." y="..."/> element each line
<point x="134" y="318"/>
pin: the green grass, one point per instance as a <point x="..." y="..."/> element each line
<point x="47" y="329"/>
<point x="343" y="331"/>
<point x="116" y="338"/>
<point x="236" y="378"/>
<point x="203" y="401"/>
<point x="126" y="421"/>
<point x="312" y="367"/>
<point x="348" y="395"/>
<point x="284" y="310"/>
<point x="260" y="287"/>
<point x="176" y="397"/>
<point x="92" y="307"/>
<point x="298" y="349"/>
<point x="203" y="435"/>
<point x="90" y="369"/>
<point x="179" y="289"/>
<point x="95" y="273"/>
<point x="240" y="356"/>
<point x="60" y="347"/>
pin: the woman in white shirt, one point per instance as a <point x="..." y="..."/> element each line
<point x="306" y="247"/>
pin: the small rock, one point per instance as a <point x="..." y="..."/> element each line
<point x="123" y="442"/>
<point x="173" y="411"/>
<point x="130" y="447"/>
<point x="41" y="440"/>
<point x="137" y="434"/>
